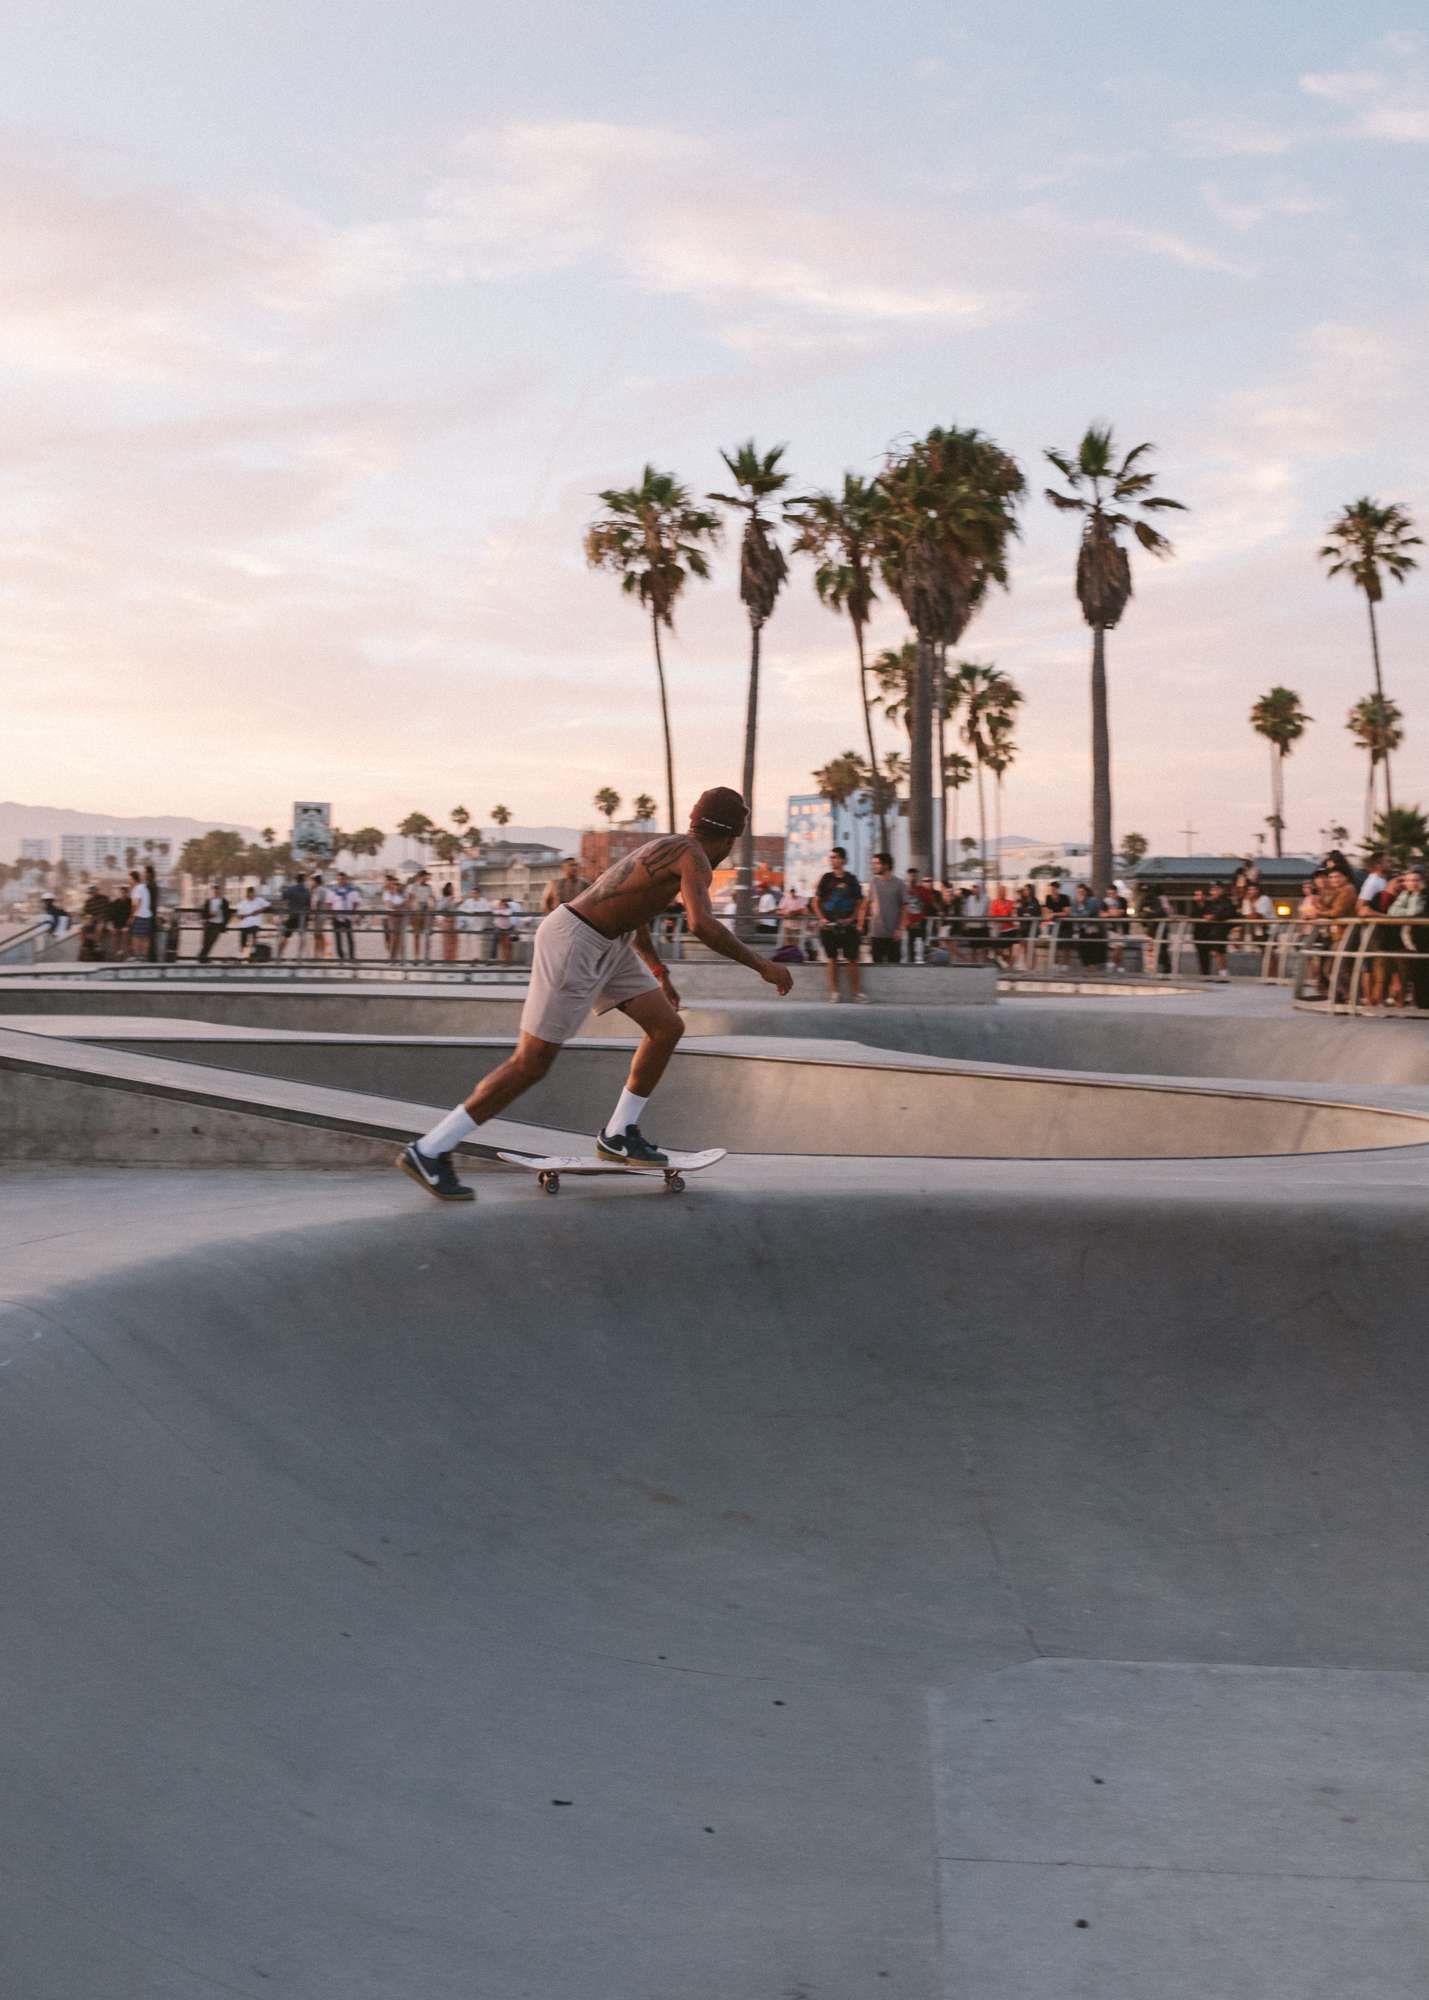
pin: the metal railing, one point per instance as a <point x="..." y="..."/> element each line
<point x="1326" y="962"/>
<point x="1364" y="966"/>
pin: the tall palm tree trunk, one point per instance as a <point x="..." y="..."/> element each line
<point x="665" y="724"/>
<point x="1101" y="769"/>
<point x="941" y="867"/>
<point x="1379" y="696"/>
<point x="744" y="879"/>
<point x="1277" y="796"/>
<point x="997" y="822"/>
<point x="1369" y="803"/>
<point x="920" y="762"/>
<point x="868" y="731"/>
<point x="982" y="822"/>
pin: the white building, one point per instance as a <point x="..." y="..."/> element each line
<point x="34" y="850"/>
<point x="107" y="853"/>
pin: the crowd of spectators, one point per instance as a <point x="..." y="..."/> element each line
<point x="118" y="920"/>
<point x="1361" y="935"/>
<point x="1365" y="935"/>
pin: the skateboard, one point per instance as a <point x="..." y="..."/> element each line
<point x="548" y="1171"/>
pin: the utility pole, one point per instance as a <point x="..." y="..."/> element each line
<point x="1190" y="833"/>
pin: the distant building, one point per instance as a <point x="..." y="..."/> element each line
<point x="34" y="850"/>
<point x="814" y="825"/>
<point x="311" y="837"/>
<point x="1177" y="875"/>
<point x="107" y="853"/>
<point x="603" y="845"/>
<point x="520" y="868"/>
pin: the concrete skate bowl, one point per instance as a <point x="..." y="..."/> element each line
<point x="551" y="1599"/>
<point x="759" y="1095"/>
<point x="1159" y="1035"/>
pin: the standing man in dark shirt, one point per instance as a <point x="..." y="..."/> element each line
<point x="297" y="902"/>
<point x="839" y="907"/>
<point x="1056" y="906"/>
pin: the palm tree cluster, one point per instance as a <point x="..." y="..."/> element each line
<point x="933" y="529"/>
<point x="1367" y="542"/>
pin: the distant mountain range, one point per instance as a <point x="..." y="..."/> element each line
<point x="19" y="822"/>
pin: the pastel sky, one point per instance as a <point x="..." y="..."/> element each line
<point x="321" y="325"/>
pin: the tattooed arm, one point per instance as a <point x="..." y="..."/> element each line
<point x="695" y="874"/>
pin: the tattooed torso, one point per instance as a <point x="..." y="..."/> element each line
<point x="640" y="888"/>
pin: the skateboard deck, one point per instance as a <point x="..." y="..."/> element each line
<point x="549" y="1168"/>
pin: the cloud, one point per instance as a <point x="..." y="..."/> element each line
<point x="1247" y="215"/>
<point x="1154" y="242"/>
<point x="1230" y="138"/>
<point x="1391" y="107"/>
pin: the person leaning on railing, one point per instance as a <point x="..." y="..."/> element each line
<point x="1409" y="899"/>
<point x="1339" y="903"/>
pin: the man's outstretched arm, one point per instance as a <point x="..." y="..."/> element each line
<point x="705" y="925"/>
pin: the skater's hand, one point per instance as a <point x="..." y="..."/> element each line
<point x="778" y="975"/>
<point x="667" y="987"/>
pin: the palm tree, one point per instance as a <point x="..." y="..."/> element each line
<point x="417" y="827"/>
<point x="1366" y="541"/>
<point x="654" y="539"/>
<point x="1001" y="756"/>
<point x="500" y="815"/>
<point x="366" y="840"/>
<point x="986" y="696"/>
<point x="643" y="808"/>
<point x="941" y="540"/>
<point x="836" y="529"/>
<point x="1106" y="494"/>
<point x="1134" y="849"/>
<point x="762" y="575"/>
<point x="1403" y="834"/>
<point x="957" y="772"/>
<point x="1377" y="726"/>
<point x="895" y="670"/>
<point x="1279" y="718"/>
<point x="607" y="801"/>
<point x="461" y="819"/>
<point x="841" y="777"/>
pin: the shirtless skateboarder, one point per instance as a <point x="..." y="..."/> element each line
<point x="596" y="951"/>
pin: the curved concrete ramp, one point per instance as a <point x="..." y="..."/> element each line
<point x="760" y="1095"/>
<point x="628" y="1598"/>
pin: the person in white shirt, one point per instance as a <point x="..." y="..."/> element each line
<point x="503" y="920"/>
<point x="475" y="922"/>
<point x="767" y="913"/>
<point x="250" y="919"/>
<point x="394" y="916"/>
<point x="421" y="908"/>
<point x="343" y="899"/>
<point x="141" y="923"/>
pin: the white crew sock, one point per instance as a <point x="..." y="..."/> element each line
<point x="456" y="1126"/>
<point x="626" y="1113"/>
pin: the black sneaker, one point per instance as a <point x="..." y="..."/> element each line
<point x="630" y="1148"/>
<point x="437" y="1176"/>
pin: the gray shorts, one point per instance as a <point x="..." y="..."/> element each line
<point x="575" y="969"/>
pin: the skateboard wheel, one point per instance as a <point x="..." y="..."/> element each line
<point x="549" y="1183"/>
<point x="675" y="1183"/>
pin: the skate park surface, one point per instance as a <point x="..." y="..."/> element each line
<point x="878" y="1570"/>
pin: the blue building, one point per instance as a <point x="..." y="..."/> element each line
<point x="815" y="824"/>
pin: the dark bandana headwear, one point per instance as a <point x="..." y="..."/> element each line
<point x="720" y="808"/>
